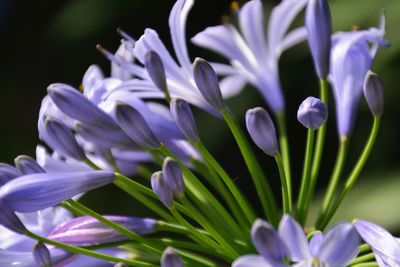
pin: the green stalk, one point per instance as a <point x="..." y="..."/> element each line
<point x="305" y="179"/>
<point x="319" y="147"/>
<point x="285" y="184"/>
<point x="355" y="173"/>
<point x="334" y="181"/>
<point x="366" y="264"/>
<point x="210" y="203"/>
<point x="78" y="250"/>
<point x="241" y="200"/>
<point x="362" y="259"/>
<point x="217" y="235"/>
<point x="132" y="235"/>
<point x="263" y="188"/>
<point x="284" y="144"/>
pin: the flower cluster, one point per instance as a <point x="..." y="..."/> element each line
<point x="113" y="131"/>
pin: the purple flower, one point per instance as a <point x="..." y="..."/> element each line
<point x="336" y="248"/>
<point x="254" y="56"/>
<point x="35" y="192"/>
<point x="87" y="231"/>
<point x="170" y="258"/>
<point x="262" y="130"/>
<point x="312" y="113"/>
<point x="351" y="58"/>
<point x="385" y="247"/>
<point x="373" y="93"/>
<point x="319" y="31"/>
<point x="27" y="165"/>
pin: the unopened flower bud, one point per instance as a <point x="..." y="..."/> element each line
<point x="262" y="130"/>
<point x="207" y="82"/>
<point x="10" y="220"/>
<point x="319" y="31"/>
<point x="161" y="189"/>
<point x="373" y="92"/>
<point x="173" y="176"/>
<point x="183" y="117"/>
<point x="135" y="126"/>
<point x="312" y="113"/>
<point x="155" y="69"/>
<point x="62" y="140"/>
<point x="41" y="254"/>
<point x="27" y="165"/>
<point x="170" y="258"/>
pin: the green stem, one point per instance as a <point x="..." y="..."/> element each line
<point x="334" y="181"/>
<point x="363" y="258"/>
<point x="284" y="144"/>
<point x="217" y="235"/>
<point x="91" y="164"/>
<point x="202" y="248"/>
<point x="319" y="148"/>
<point x="78" y="250"/>
<point x="241" y="200"/>
<point x="355" y="173"/>
<point x="208" y="201"/>
<point x="176" y="228"/>
<point x="132" y="235"/>
<point x="213" y="179"/>
<point x="286" y="185"/>
<point x="305" y="179"/>
<point x="366" y="264"/>
<point x="200" y="237"/>
<point x="364" y="248"/>
<point x="143" y="199"/>
<point x="263" y="188"/>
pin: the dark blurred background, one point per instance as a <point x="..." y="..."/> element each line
<point x="54" y="41"/>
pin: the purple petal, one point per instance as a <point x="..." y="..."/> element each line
<point x="255" y="261"/>
<point x="315" y="243"/>
<point x="27" y="165"/>
<point x="294" y="238"/>
<point x="340" y="245"/>
<point x="35" y="192"/>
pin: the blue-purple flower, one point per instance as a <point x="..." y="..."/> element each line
<point x="312" y="113"/>
<point x="254" y="56"/>
<point x="351" y="58"/>
<point x="335" y="248"/>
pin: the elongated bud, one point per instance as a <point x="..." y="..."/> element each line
<point x="312" y="113"/>
<point x="173" y="176"/>
<point x="266" y="240"/>
<point x="319" y="31"/>
<point x="155" y="69"/>
<point x="38" y="191"/>
<point x="373" y="92"/>
<point x="87" y="231"/>
<point x="207" y="82"/>
<point x="7" y="172"/>
<point x="161" y="189"/>
<point x="262" y="130"/>
<point x="9" y="220"/>
<point x="183" y="117"/>
<point x="135" y="126"/>
<point x="170" y="258"/>
<point x="27" y="165"/>
<point x="62" y="139"/>
<point x="77" y="106"/>
<point x="41" y="255"/>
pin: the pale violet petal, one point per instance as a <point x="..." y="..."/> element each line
<point x="177" y="25"/>
<point x="295" y="240"/>
<point x="291" y="39"/>
<point x="255" y="261"/>
<point x="315" y="243"/>
<point x="251" y="20"/>
<point x="340" y="245"/>
<point x="232" y="85"/>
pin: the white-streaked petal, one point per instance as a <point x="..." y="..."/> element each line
<point x="177" y="25"/>
<point x="251" y="20"/>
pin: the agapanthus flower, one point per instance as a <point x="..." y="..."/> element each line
<point x="351" y="58"/>
<point x="253" y="55"/>
<point x="337" y="247"/>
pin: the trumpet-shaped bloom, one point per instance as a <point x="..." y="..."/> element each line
<point x="253" y="55"/>
<point x="336" y="248"/>
<point x="38" y="191"/>
<point x="351" y="58"/>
